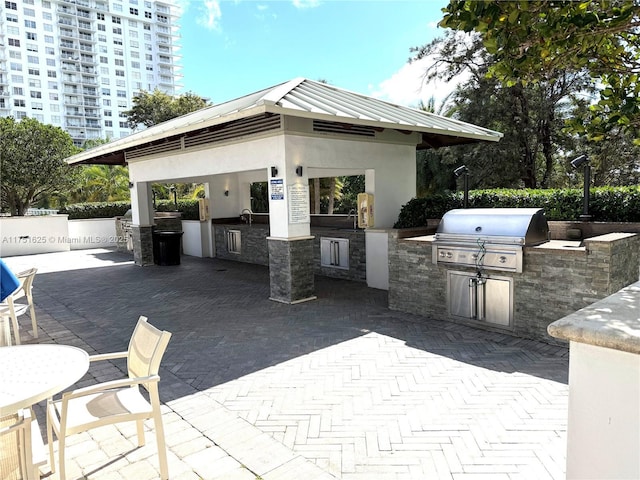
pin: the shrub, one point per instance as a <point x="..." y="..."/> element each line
<point x="607" y="204"/>
<point x="189" y="209"/>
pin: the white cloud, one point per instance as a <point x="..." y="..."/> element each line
<point x="407" y="86"/>
<point x="210" y="15"/>
<point x="305" y="3"/>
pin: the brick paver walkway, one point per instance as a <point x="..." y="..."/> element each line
<point x="340" y="387"/>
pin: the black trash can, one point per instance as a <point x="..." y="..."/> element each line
<point x="166" y="247"/>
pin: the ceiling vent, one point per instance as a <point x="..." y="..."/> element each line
<point x="343" y="128"/>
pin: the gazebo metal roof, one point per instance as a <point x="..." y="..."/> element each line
<point x="299" y="98"/>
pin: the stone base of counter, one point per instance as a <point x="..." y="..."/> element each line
<point x="558" y="278"/>
<point x="291" y="271"/>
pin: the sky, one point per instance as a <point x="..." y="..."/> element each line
<point x="231" y="48"/>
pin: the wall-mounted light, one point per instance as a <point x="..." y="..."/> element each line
<point x="583" y="160"/>
<point x="274" y="171"/>
<point x="226" y="193"/>
<point x="464" y="171"/>
<point x="130" y="184"/>
<point x="299" y="170"/>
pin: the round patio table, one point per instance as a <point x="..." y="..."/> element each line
<point x="32" y="373"/>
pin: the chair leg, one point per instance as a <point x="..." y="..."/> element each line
<point x="52" y="458"/>
<point x="61" y="464"/>
<point x="14" y="321"/>
<point x="140" y="429"/>
<point x="159" y="428"/>
<point x="34" y="323"/>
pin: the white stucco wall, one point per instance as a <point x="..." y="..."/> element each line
<point x="37" y="234"/>
<point x="195" y="239"/>
<point x="377" y="246"/>
<point x="92" y="233"/>
<point x="603" y="436"/>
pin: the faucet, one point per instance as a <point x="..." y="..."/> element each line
<point x="249" y="212"/>
<point x="353" y="213"/>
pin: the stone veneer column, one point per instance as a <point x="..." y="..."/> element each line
<point x="142" y="244"/>
<point x="291" y="269"/>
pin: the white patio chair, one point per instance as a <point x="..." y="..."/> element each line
<point x="115" y="401"/>
<point x="12" y="310"/>
<point x="18" y="432"/>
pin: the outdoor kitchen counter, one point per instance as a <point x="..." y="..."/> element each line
<point x="613" y="322"/>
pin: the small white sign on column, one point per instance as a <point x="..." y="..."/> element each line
<point x="298" y="197"/>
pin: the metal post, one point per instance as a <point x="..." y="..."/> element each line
<point x="585" y="217"/>
<point x="466" y="189"/>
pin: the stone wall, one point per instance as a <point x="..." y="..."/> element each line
<point x="357" y="255"/>
<point x="557" y="279"/>
<point x="254" y="248"/>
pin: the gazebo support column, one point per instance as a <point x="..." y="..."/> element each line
<point x="291" y="269"/>
<point x="142" y="237"/>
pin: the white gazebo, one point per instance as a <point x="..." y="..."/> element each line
<point x="283" y="135"/>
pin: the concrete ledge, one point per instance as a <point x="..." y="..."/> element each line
<point x="613" y="322"/>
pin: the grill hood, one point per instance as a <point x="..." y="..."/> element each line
<point x="519" y="226"/>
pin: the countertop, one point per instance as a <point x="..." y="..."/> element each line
<point x="613" y="322"/>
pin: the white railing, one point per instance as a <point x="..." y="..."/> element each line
<point x="41" y="211"/>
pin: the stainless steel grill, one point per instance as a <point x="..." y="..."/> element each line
<point x="489" y="238"/>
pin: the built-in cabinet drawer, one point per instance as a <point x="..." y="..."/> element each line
<point x="234" y="240"/>
<point x="334" y="252"/>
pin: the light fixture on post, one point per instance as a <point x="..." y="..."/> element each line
<point x="274" y="171"/>
<point x="583" y="160"/>
<point x="299" y="170"/>
<point x="464" y="171"/>
<point x="226" y="193"/>
<point x="130" y="184"/>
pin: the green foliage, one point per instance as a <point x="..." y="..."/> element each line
<point x="188" y="207"/>
<point x="156" y="107"/>
<point x="607" y="204"/>
<point x="534" y="41"/>
<point x="32" y="162"/>
<point x="95" y="210"/>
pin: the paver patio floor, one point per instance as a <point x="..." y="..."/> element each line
<point x="340" y="387"/>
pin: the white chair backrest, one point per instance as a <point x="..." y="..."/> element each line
<point x="146" y="348"/>
<point x="26" y="282"/>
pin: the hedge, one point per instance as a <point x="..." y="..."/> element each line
<point x="607" y="204"/>
<point x="188" y="208"/>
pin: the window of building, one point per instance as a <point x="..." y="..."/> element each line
<point x="133" y="33"/>
<point x="147" y="26"/>
<point x="29" y="2"/>
<point x="17" y="79"/>
<point x="11" y="30"/>
<point x="134" y="44"/>
<point x="55" y="119"/>
<point x="133" y="24"/>
<point x="18" y="102"/>
<point x="148" y="57"/>
<point x="104" y="70"/>
<point x="47" y="15"/>
<point x="11" y="5"/>
<point x="106" y="102"/>
<point x="149" y="68"/>
<point x="122" y="104"/>
<point x="34" y="71"/>
<point x="135" y="54"/>
<point x="29" y="12"/>
<point x="32" y="47"/>
<point x="107" y="113"/>
<point x="52" y="74"/>
<point x="108" y="123"/>
<point x="12" y="18"/>
<point x="48" y="27"/>
<point x="117" y="41"/>
<point x="35" y="83"/>
<point x="119" y="62"/>
<point x="16" y="67"/>
<point x="106" y="92"/>
<point x="53" y="85"/>
<point x="48" y="39"/>
<point x="147" y="37"/>
<point x="35" y="94"/>
<point x="117" y="7"/>
<point x="36" y="105"/>
<point x="51" y="62"/>
<point x="136" y="75"/>
<point x="18" y="91"/>
<point x="30" y="23"/>
<point x="121" y="83"/>
<point x="39" y="117"/>
<point x="118" y="51"/>
<point x="148" y="15"/>
<point x="133" y="11"/>
<point x="104" y="59"/>
<point x="15" y="54"/>
<point x="31" y="36"/>
<point x="102" y="38"/>
<point x="116" y="20"/>
<point x="53" y="97"/>
<point x="104" y="81"/>
<point x="20" y="115"/>
<point x="49" y="51"/>
<point x="122" y="94"/>
<point x="117" y="31"/>
<point x="162" y="18"/>
<point x="123" y="125"/>
<point x="100" y="16"/>
<point x="55" y="108"/>
<point x="135" y="64"/>
<point x="32" y="59"/>
<point x="102" y="27"/>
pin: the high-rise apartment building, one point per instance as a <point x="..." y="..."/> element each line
<point x="77" y="64"/>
